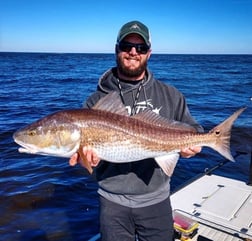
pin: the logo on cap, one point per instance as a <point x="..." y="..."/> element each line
<point x="135" y="26"/>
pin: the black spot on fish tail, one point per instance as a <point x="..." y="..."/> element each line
<point x="222" y="133"/>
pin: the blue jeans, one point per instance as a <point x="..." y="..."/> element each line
<point x="152" y="223"/>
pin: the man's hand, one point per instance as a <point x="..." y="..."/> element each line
<point x="190" y="151"/>
<point x="89" y="154"/>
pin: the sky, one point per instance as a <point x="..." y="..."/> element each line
<point x="91" y="26"/>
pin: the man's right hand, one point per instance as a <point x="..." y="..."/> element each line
<point x="89" y="154"/>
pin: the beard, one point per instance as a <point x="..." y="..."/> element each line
<point x="131" y="73"/>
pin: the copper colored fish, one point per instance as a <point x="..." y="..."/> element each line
<point x="118" y="137"/>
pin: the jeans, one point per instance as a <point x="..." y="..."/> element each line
<point x="120" y="223"/>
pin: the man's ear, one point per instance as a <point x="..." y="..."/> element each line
<point x="149" y="53"/>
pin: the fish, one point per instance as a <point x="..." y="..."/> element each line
<point x="117" y="137"/>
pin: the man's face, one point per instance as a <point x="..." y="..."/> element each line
<point x="132" y="63"/>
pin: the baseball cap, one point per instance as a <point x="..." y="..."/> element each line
<point x="134" y="27"/>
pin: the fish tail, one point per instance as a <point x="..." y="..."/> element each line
<point x="222" y="133"/>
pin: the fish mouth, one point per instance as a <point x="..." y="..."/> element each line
<point x="47" y="151"/>
<point x="26" y="150"/>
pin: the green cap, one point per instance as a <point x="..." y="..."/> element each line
<point x="134" y="27"/>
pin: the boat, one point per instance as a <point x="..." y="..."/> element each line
<point x="212" y="208"/>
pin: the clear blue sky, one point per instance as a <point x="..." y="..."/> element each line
<point x="177" y="26"/>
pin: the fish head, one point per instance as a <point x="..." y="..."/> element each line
<point x="51" y="135"/>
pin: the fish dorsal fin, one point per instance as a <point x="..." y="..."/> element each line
<point x="111" y="102"/>
<point x="151" y="117"/>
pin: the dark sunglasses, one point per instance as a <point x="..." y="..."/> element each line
<point x="127" y="46"/>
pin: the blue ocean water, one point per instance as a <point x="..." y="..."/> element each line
<point x="43" y="198"/>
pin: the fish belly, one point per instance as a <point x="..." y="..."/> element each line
<point x="121" y="152"/>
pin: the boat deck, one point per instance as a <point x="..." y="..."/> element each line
<point x="221" y="206"/>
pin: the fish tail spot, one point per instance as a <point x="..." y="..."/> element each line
<point x="222" y="133"/>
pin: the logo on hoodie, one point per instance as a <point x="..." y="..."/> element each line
<point x="141" y="106"/>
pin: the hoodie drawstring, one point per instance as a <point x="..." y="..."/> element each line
<point x="133" y="112"/>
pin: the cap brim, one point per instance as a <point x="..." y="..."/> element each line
<point x="136" y="32"/>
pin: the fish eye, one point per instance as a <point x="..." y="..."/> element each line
<point x="32" y="133"/>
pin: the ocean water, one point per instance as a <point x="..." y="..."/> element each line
<point x="43" y="198"/>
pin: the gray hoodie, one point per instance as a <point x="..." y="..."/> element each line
<point x="141" y="183"/>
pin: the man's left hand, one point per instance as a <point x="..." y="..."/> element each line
<point x="190" y="151"/>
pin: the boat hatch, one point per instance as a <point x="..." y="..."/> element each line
<point x="221" y="203"/>
<point x="225" y="203"/>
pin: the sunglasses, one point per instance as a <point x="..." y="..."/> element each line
<point x="127" y="46"/>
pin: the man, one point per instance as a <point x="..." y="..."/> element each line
<point x="134" y="196"/>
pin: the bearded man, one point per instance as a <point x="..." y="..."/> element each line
<point x="135" y="196"/>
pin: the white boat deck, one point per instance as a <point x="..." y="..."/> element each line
<point x="222" y="207"/>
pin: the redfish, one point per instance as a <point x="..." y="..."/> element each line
<point x="117" y="137"/>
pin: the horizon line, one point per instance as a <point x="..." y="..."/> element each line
<point x="160" y="53"/>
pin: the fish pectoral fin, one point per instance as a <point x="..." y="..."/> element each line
<point x="168" y="163"/>
<point x="84" y="161"/>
